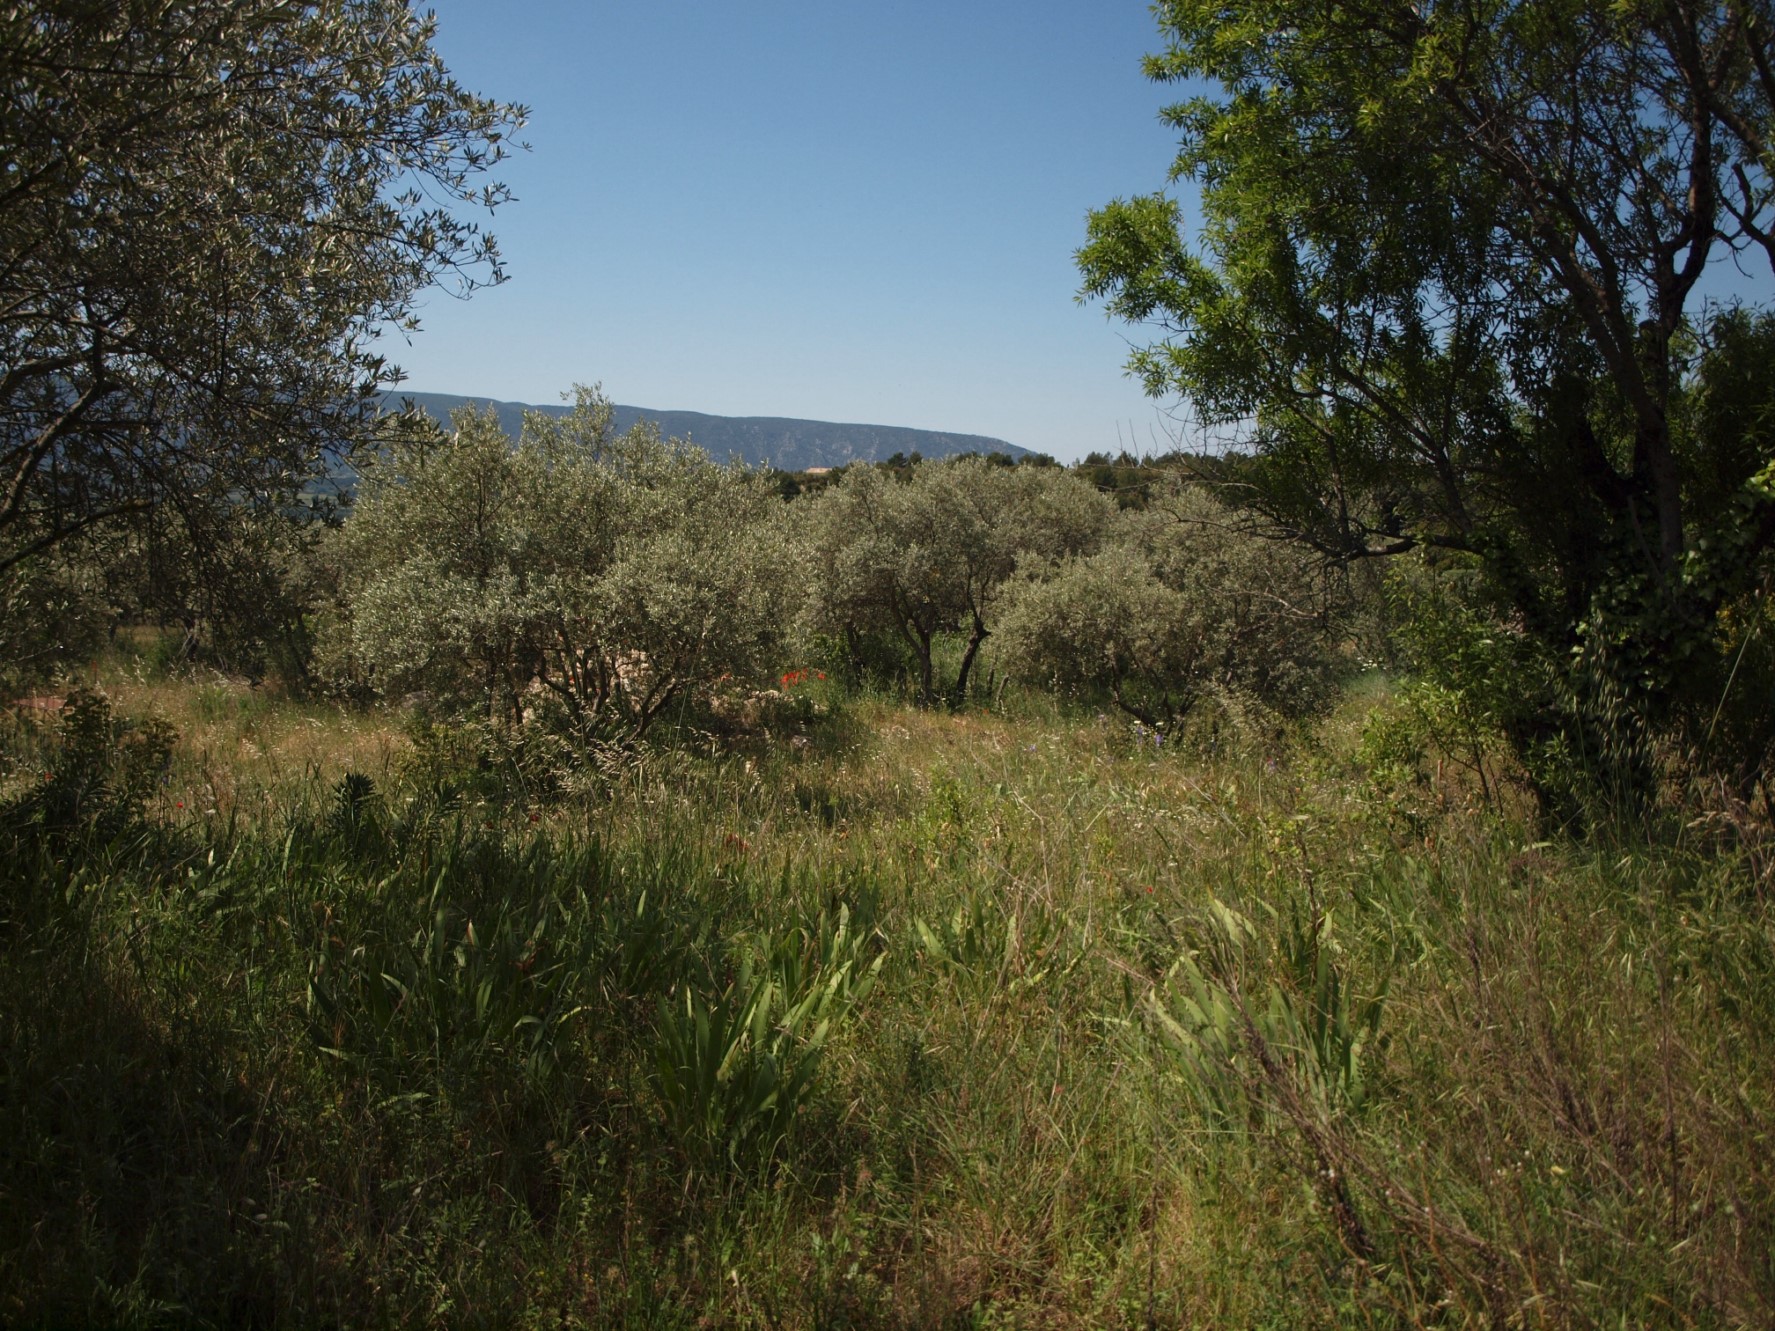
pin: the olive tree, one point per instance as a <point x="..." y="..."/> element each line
<point x="1179" y="606"/>
<point x="209" y="211"/>
<point x="605" y="575"/>
<point x="929" y="551"/>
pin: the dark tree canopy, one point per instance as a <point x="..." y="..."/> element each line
<point x="208" y="210"/>
<point x="1446" y="281"/>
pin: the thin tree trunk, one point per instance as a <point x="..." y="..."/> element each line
<point x="975" y="638"/>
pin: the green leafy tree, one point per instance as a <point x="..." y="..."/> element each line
<point x="1446" y="280"/>
<point x="607" y="576"/>
<point x="208" y="211"/>
<point x="929" y="551"/>
<point x="1180" y="606"/>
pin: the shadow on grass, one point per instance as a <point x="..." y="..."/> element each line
<point x="135" y="1158"/>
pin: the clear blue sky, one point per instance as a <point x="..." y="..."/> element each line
<point x="809" y="208"/>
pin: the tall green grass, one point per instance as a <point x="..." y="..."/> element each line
<point x="974" y="1020"/>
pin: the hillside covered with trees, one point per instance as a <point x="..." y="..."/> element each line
<point x="763" y="441"/>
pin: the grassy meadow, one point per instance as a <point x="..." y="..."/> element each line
<point x="866" y="1016"/>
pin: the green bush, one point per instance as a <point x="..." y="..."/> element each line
<point x="587" y="581"/>
<point x="1179" y="608"/>
<point x="903" y="561"/>
<point x="53" y="615"/>
<point x="101" y="772"/>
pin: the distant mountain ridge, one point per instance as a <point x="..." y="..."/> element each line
<point x="778" y="441"/>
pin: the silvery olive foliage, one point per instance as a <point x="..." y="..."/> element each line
<point x="1180" y="605"/>
<point x="209" y="212"/>
<point x="583" y="577"/>
<point x="930" y="550"/>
